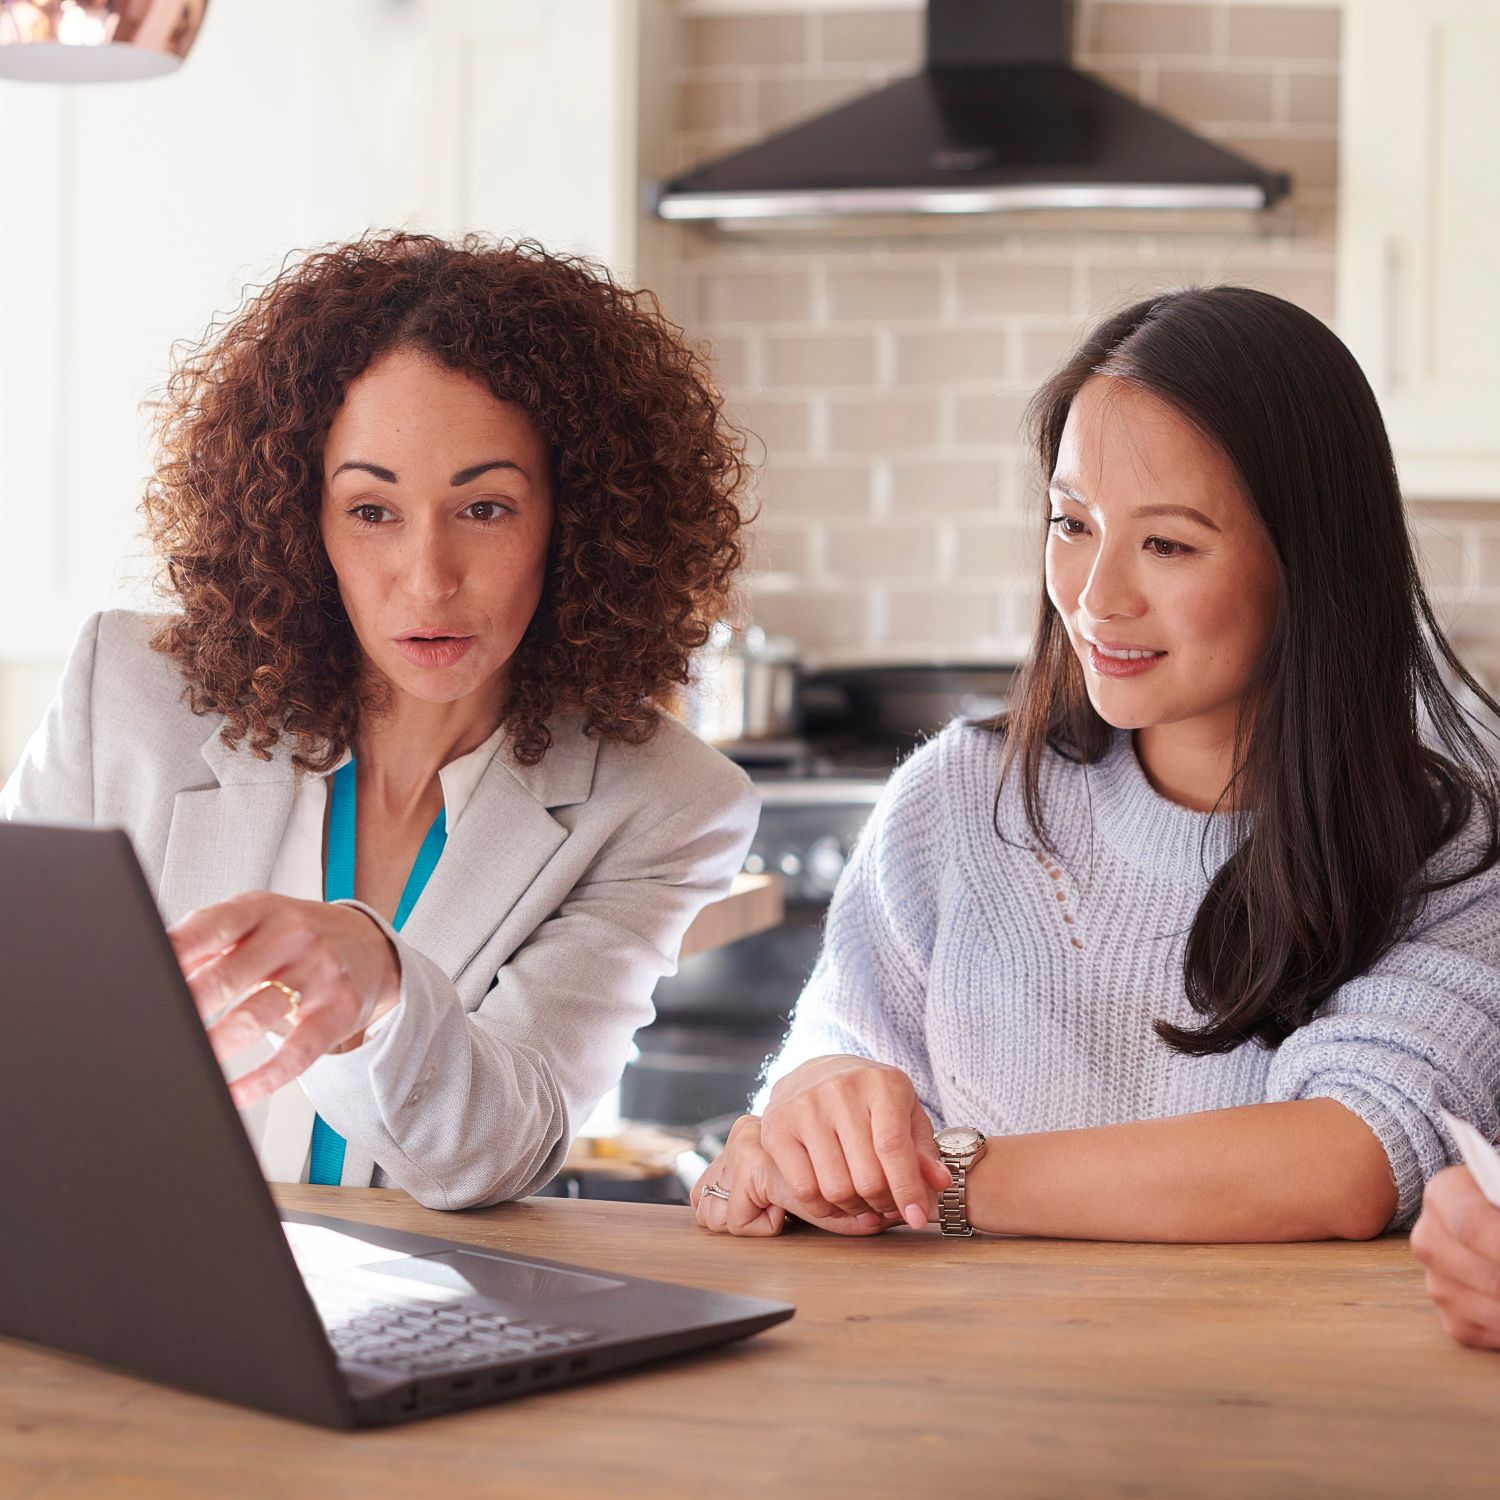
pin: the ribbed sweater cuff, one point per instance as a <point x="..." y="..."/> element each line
<point x="1406" y="1169"/>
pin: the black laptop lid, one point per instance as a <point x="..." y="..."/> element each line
<point x="137" y="1225"/>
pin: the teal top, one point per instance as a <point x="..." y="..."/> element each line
<point x="327" y="1162"/>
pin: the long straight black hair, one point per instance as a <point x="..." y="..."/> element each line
<point x="1343" y="801"/>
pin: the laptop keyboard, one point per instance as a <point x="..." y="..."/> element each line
<point x="422" y="1338"/>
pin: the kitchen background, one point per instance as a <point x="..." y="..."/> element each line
<point x="882" y="373"/>
<point x="887" y="377"/>
<point x="883" y="378"/>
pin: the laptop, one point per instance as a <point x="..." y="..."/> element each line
<point x="140" y="1232"/>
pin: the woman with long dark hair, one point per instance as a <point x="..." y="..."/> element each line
<point x="1227" y="938"/>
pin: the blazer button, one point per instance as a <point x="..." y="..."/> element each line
<point x="415" y="1097"/>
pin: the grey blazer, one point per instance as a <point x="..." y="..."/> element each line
<point x="527" y="964"/>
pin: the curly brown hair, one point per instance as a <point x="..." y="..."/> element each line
<point x="647" y="478"/>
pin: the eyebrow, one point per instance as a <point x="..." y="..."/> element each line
<point x="464" y="476"/>
<point x="1141" y="512"/>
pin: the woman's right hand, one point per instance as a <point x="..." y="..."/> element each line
<point x="1457" y="1240"/>
<point x="852" y="1135"/>
<point x="757" y="1199"/>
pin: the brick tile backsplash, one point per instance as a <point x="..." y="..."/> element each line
<point x="777" y="424"/>
<point x="994" y="551"/>
<point x="885" y="379"/>
<point x="1311" y="157"/>
<point x="1312" y="98"/>
<point x="944" y="617"/>
<point x="893" y="38"/>
<point x="1195" y="93"/>
<point x="891" y="424"/>
<point x="990" y="419"/>
<point x="780" y="102"/>
<point x="798" y="490"/>
<point x="818" y="619"/>
<point x="783" y="547"/>
<point x="1284" y="31"/>
<point x="988" y="290"/>
<point x="821" y="359"/>
<point x="1148" y="29"/>
<point x="704" y="104"/>
<point x="744" y="41"/>
<point x="896" y="295"/>
<point x="1045" y="347"/>
<point x="882" y="552"/>
<point x="755" y="296"/>
<point x="942" y="358"/>
<point x="945" y="485"/>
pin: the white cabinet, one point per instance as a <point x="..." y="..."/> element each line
<point x="534" y="122"/>
<point x="1419" y="232"/>
<point x="132" y="213"/>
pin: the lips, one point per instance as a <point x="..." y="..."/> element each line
<point x="1111" y="662"/>
<point x="433" y="649"/>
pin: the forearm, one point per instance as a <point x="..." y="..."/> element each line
<point x="1305" y="1170"/>
<point x="455" y="1115"/>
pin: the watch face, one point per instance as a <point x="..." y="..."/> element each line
<point x="958" y="1140"/>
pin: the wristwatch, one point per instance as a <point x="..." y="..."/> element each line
<point x="960" y="1147"/>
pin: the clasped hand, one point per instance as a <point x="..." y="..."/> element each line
<point x="844" y="1144"/>
<point x="335" y="957"/>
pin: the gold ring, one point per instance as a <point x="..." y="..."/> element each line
<point x="293" y="997"/>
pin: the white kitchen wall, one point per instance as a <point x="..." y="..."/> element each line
<point x="134" y="212"/>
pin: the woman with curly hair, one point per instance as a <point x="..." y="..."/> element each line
<point x="442" y="524"/>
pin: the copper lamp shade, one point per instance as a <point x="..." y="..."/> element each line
<point x="95" y="41"/>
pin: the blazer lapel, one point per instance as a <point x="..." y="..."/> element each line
<point x="224" y="839"/>
<point x="503" y="840"/>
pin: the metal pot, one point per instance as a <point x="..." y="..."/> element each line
<point x="743" y="688"/>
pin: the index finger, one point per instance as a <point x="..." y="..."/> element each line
<point x="306" y="1044"/>
<point x="895" y="1145"/>
<point x="211" y="930"/>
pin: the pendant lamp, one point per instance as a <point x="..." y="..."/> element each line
<point x="95" y="41"/>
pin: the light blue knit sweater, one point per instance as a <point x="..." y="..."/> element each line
<point x="1018" y="991"/>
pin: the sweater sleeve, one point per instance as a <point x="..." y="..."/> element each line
<point x="1419" y="1032"/>
<point x="867" y="996"/>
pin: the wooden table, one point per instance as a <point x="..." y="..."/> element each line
<point x="915" y="1367"/>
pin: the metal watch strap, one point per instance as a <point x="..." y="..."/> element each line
<point x="953" y="1203"/>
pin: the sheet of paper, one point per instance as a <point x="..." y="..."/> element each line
<point x="1479" y="1155"/>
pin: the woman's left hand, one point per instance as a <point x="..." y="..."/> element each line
<point x="335" y="957"/>
<point x="851" y="1132"/>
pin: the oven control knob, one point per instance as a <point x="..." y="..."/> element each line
<point x="825" y="863"/>
<point x="789" y="865"/>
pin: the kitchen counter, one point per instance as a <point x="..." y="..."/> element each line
<point x="754" y="904"/>
<point x="915" y="1366"/>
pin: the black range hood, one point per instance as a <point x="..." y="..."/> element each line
<point x="997" y="122"/>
